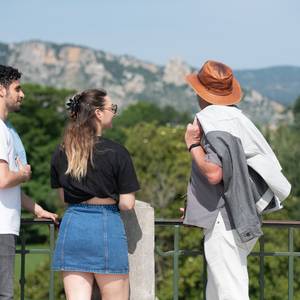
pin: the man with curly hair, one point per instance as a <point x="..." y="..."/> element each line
<point x="14" y="170"/>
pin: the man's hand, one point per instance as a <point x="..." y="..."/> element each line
<point x="182" y="210"/>
<point x="44" y="214"/>
<point x="193" y="133"/>
<point x="28" y="204"/>
<point x="25" y="171"/>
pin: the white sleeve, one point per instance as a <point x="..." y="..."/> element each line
<point x="3" y="143"/>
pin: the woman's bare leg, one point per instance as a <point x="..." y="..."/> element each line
<point x="113" y="286"/>
<point x="78" y="285"/>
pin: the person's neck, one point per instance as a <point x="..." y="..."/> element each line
<point x="99" y="131"/>
<point x="204" y="104"/>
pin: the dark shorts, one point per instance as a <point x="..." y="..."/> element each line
<point x="91" y="239"/>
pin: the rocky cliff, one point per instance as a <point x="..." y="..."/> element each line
<point x="127" y="79"/>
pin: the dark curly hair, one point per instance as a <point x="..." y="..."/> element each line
<point x="8" y="75"/>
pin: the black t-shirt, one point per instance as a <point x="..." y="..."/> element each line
<point x="112" y="174"/>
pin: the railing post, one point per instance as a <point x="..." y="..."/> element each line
<point x="51" y="285"/>
<point x="262" y="268"/>
<point x="22" y="272"/>
<point x="204" y="270"/>
<point x="175" y="262"/>
<point x="291" y="264"/>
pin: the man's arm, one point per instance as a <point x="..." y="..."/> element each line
<point x="211" y="171"/>
<point x="10" y="178"/>
<point x="28" y="204"/>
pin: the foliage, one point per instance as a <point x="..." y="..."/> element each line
<point x="162" y="162"/>
<point x="145" y="112"/>
<point x="296" y="111"/>
<point x="40" y="124"/>
<point x="37" y="284"/>
<point x="154" y="137"/>
<point x="285" y="142"/>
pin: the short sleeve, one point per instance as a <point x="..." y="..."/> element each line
<point x="126" y="178"/>
<point x="18" y="145"/>
<point x="3" y="143"/>
<point x="212" y="156"/>
<point x="54" y="176"/>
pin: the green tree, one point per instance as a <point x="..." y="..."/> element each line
<point x="296" y="112"/>
<point x="161" y="161"/>
<point x="40" y="124"/>
<point x="37" y="284"/>
<point x="145" y="112"/>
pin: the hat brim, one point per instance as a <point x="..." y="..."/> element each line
<point x="233" y="98"/>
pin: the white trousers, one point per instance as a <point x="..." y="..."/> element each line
<point x="226" y="256"/>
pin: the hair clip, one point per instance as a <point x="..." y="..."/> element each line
<point x="73" y="105"/>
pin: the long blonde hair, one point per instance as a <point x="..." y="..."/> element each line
<point x="81" y="131"/>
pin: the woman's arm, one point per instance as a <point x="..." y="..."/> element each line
<point x="127" y="201"/>
<point x="60" y="192"/>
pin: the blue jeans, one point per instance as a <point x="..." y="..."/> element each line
<point x="7" y="260"/>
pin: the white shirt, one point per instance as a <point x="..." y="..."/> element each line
<point x="259" y="154"/>
<point x="10" y="198"/>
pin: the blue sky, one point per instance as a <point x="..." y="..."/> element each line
<point x="243" y="34"/>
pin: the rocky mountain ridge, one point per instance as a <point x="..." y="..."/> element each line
<point x="127" y="78"/>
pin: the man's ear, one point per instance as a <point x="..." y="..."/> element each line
<point x="2" y="91"/>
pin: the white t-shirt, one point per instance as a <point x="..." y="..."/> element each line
<point x="10" y="198"/>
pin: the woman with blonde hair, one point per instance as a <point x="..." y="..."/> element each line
<point x="96" y="178"/>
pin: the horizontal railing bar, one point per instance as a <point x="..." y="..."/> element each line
<point x="267" y="223"/>
<point x="195" y="253"/>
<point x="282" y="222"/>
<point x="275" y="254"/>
<point x="159" y="221"/>
<point x="180" y="252"/>
<point x="33" y="251"/>
<point x="30" y="221"/>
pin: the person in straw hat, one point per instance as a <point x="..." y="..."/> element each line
<point x="235" y="177"/>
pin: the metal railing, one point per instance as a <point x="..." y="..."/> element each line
<point x="175" y="253"/>
<point x="23" y="251"/>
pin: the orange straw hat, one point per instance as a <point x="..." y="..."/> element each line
<point x="216" y="84"/>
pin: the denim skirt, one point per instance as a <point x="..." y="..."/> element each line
<point x="91" y="239"/>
